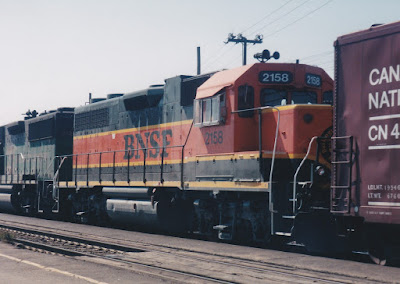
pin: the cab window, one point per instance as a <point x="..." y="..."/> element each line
<point x="304" y="97"/>
<point x="327" y="98"/>
<point x="272" y="97"/>
<point x="206" y="110"/>
<point x="245" y="100"/>
<point x="209" y="111"/>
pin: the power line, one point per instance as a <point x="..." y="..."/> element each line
<point x="213" y="59"/>
<point x="280" y="7"/>
<point x="281" y="17"/>
<point x="317" y="55"/>
<point x="300" y="18"/>
<point x="218" y="57"/>
<point x="271" y="22"/>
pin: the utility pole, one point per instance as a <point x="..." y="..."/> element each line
<point x="244" y="41"/>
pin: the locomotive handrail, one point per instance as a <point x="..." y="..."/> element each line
<point x="145" y="150"/>
<point x="270" y="202"/>
<point x="297" y="172"/>
<point x="8" y="157"/>
<point x="260" y="141"/>
<point x="183" y="151"/>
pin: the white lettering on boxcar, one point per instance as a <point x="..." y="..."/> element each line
<point x="379" y="100"/>
<point x="377" y="77"/>
<point x="378" y="132"/>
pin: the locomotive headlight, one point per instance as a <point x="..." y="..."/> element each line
<point x="308" y="117"/>
<point x="320" y="170"/>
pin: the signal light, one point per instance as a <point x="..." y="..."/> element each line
<point x="265" y="55"/>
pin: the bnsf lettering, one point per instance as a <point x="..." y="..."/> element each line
<point x="136" y="145"/>
<point x="154" y="137"/>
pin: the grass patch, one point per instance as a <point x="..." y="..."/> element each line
<point x="6" y="237"/>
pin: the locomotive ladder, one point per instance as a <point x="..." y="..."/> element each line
<point x="53" y="184"/>
<point x="259" y="110"/>
<point x="293" y="200"/>
<point x="342" y="163"/>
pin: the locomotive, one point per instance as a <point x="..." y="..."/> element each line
<point x="213" y="153"/>
<point x="249" y="153"/>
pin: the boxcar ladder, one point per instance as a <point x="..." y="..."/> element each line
<point x="342" y="162"/>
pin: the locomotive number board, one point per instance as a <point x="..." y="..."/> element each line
<point x="313" y="80"/>
<point x="275" y="77"/>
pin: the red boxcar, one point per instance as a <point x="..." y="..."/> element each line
<point x="366" y="148"/>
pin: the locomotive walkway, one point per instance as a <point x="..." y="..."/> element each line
<point x="152" y="258"/>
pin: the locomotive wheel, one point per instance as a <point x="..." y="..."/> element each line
<point x="377" y="255"/>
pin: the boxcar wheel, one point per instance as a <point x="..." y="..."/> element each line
<point x="377" y="255"/>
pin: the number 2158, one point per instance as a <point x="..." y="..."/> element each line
<point x="216" y="137"/>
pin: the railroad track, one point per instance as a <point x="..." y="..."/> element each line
<point x="170" y="263"/>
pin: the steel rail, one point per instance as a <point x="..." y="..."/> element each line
<point x="229" y="261"/>
<point x="72" y="252"/>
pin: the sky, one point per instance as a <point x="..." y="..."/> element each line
<point x="53" y="53"/>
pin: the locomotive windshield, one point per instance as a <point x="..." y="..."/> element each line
<point x="304" y="97"/>
<point x="272" y="97"/>
<point x="327" y="98"/>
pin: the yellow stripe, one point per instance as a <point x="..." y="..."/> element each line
<point x="247" y="156"/>
<point x="188" y="185"/>
<point x="120" y="183"/>
<point x="145" y="128"/>
<point x="131" y="164"/>
<point x="227" y="184"/>
<point x="244" y="156"/>
<point x="307" y="106"/>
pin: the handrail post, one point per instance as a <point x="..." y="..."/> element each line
<point x="182" y="161"/>
<point x="297" y="172"/>
<point x="12" y="168"/>
<point x="30" y="170"/>
<point x="87" y="170"/>
<point x="76" y="170"/>
<point x="100" y="167"/>
<point x="24" y="174"/>
<point x="6" y="168"/>
<point x="36" y="169"/>
<point x="261" y="164"/>
<point x="17" y="167"/>
<point x="57" y="166"/>
<point x="113" y="174"/>
<point x="129" y="156"/>
<point x="144" y="166"/>
<point x="162" y="166"/>
<point x="183" y="152"/>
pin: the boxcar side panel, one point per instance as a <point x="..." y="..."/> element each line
<point x="368" y="108"/>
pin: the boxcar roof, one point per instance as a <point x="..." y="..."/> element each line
<point x="373" y="31"/>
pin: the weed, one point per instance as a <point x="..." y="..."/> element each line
<point x="6" y="237"/>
